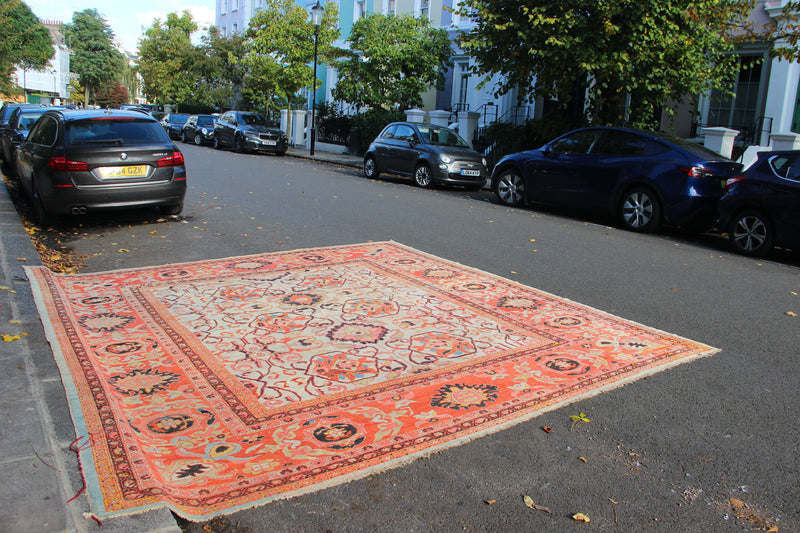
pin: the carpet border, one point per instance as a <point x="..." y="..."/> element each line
<point x="91" y="475"/>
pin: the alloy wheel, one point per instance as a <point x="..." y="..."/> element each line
<point x="422" y="176"/>
<point x="511" y="188"/>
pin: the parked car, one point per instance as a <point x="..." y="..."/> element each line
<point x="643" y="178"/>
<point x="199" y="129"/>
<point x="173" y="124"/>
<point x="245" y="131"/>
<point x="5" y="114"/>
<point x="19" y="124"/>
<point x="76" y="161"/>
<point x="430" y="154"/>
<point x="761" y="208"/>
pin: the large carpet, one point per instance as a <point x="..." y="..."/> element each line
<point x="217" y="385"/>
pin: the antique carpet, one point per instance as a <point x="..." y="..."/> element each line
<point x="217" y="385"/>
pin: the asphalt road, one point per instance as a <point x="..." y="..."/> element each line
<point x="707" y="446"/>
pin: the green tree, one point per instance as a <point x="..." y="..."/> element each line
<point x="25" y="41"/>
<point x="280" y="48"/>
<point x="94" y="58"/>
<point x="112" y="95"/>
<point x="646" y="53"/>
<point x="394" y="60"/>
<point x="220" y="69"/>
<point x="167" y="59"/>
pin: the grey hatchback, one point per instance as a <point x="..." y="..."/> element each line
<point x="79" y="161"/>
<point x="429" y="153"/>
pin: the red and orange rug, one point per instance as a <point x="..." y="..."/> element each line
<point x="218" y="385"/>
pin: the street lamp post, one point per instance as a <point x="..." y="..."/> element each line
<point x="316" y="19"/>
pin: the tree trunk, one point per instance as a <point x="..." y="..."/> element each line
<point x="86" y="97"/>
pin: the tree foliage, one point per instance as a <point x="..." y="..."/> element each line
<point x="781" y="33"/>
<point x="167" y="59"/>
<point x="280" y="47"/>
<point x="25" y="41"/>
<point x="94" y="58"/>
<point x="220" y="70"/>
<point x="644" y="52"/>
<point x="394" y="60"/>
<point x="112" y="95"/>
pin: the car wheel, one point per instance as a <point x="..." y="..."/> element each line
<point x="751" y="234"/>
<point x="174" y="209"/>
<point x="8" y="169"/>
<point x="281" y="153"/>
<point x="217" y="144"/>
<point x="40" y="214"/>
<point x="510" y="188"/>
<point x="183" y="136"/>
<point x="422" y="176"/>
<point x="198" y="140"/>
<point x="238" y="145"/>
<point x="639" y="210"/>
<point x="371" y="168"/>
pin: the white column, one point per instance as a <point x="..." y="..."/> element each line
<point x="785" y="141"/>
<point x="285" y="121"/>
<point x="782" y="94"/>
<point x="720" y="140"/>
<point x="298" y="128"/>
<point x="467" y="125"/>
<point x="415" y="115"/>
<point x="439" y="117"/>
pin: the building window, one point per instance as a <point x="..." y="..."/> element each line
<point x="360" y="10"/>
<point x="424" y="8"/>
<point x="463" y="83"/>
<point x="234" y="28"/>
<point x="235" y="5"/>
<point x="389" y="7"/>
<point x="223" y="31"/>
<point x="740" y="110"/>
<point x="223" y="7"/>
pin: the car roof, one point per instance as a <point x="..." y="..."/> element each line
<point x="71" y="115"/>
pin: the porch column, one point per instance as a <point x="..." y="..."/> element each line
<point x="468" y="125"/>
<point x="785" y="141"/>
<point x="296" y="136"/>
<point x="720" y="140"/>
<point x="439" y="117"/>
<point x="415" y="115"/>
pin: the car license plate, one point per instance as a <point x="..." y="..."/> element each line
<point x="131" y="171"/>
<point x="269" y="143"/>
<point x="465" y="172"/>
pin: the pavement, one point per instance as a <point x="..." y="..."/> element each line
<point x="42" y="489"/>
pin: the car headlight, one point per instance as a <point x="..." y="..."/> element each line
<point x="204" y="131"/>
<point x="483" y="160"/>
<point x="445" y="158"/>
<point x="251" y="135"/>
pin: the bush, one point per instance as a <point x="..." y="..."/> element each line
<point x="367" y="126"/>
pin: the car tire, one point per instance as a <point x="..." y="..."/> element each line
<point x="281" y="153"/>
<point x="8" y="169"/>
<point x="639" y="210"/>
<point x="751" y="233"/>
<point x="173" y="209"/>
<point x="183" y="137"/>
<point x="422" y="176"/>
<point x="510" y="188"/>
<point x="217" y="144"/>
<point x="198" y="140"/>
<point x="238" y="145"/>
<point x="371" y="168"/>
<point x="40" y="214"/>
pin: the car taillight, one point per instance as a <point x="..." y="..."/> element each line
<point x="174" y="160"/>
<point x="733" y="180"/>
<point x="62" y="164"/>
<point x="697" y="172"/>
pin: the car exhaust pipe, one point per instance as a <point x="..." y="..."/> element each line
<point x="79" y="210"/>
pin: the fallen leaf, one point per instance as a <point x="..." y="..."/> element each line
<point x="21" y="259"/>
<point x="580" y="418"/>
<point x="533" y="240"/>
<point x="489" y="502"/>
<point x="547" y="429"/>
<point x="532" y="505"/>
<point x="10" y="338"/>
<point x="582" y="459"/>
<point x="15" y="322"/>
<point x="580" y="517"/>
<point x="123" y="250"/>
<point x="791" y="313"/>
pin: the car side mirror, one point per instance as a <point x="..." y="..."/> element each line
<point x="547" y="151"/>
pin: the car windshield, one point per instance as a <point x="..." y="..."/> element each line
<point x="441" y="136"/>
<point x="253" y="120"/>
<point x="121" y="131"/>
<point x="205" y="121"/>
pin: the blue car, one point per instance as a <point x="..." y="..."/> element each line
<point x="643" y="178"/>
<point x="761" y="208"/>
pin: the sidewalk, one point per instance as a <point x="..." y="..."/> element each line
<point x="40" y="474"/>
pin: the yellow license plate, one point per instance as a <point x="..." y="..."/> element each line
<point x="131" y="171"/>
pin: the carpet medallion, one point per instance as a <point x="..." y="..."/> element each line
<point x="217" y="385"/>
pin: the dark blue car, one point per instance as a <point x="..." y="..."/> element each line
<point x="761" y="208"/>
<point x="644" y="179"/>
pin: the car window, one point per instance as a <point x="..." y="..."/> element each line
<point x="250" y="119"/>
<point x="404" y="133"/>
<point x="624" y="143"/>
<point x="205" y="121"/>
<point x="27" y="121"/>
<point x="580" y="142"/>
<point x="123" y="131"/>
<point x="388" y="133"/>
<point x="441" y="136"/>
<point x="787" y="167"/>
<point x="45" y="132"/>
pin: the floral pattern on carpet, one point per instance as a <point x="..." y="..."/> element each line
<point x="217" y="385"/>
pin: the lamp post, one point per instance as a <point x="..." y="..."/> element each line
<point x="316" y="19"/>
